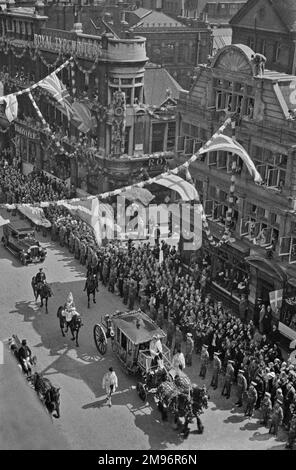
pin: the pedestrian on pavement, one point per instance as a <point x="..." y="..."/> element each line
<point x="229" y="378"/>
<point x="110" y="384"/>
<point x="266" y="409"/>
<point x="242" y="386"/>
<point x="217" y="366"/>
<point x="276" y="417"/>
<point x="178" y="362"/>
<point x="204" y="361"/>
<point x="251" y="399"/>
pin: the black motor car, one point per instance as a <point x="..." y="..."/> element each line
<point x="19" y="239"/>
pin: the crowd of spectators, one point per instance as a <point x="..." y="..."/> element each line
<point x="16" y="187"/>
<point x="175" y="297"/>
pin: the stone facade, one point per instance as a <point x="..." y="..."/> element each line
<point x="263" y="216"/>
<point x="104" y="64"/>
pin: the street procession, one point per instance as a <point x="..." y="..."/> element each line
<point x="148" y="231"/>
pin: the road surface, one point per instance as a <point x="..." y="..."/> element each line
<point x="86" y="422"/>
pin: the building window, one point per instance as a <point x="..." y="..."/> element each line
<point x="158" y="130"/>
<point x="216" y="206"/>
<point x="260" y="226"/>
<point x="276" y="51"/>
<point x="251" y="42"/>
<point x="271" y="166"/>
<point x="231" y="96"/>
<point x="263" y="46"/>
<point x="223" y="161"/>
<point x="127" y="139"/>
<point x="171" y="136"/>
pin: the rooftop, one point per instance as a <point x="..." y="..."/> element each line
<point x="156" y="19"/>
<point x="159" y="85"/>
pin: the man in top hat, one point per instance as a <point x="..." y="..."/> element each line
<point x="242" y="386"/>
<point x="189" y="347"/>
<point x="229" y="378"/>
<point x="252" y="397"/>
<point x="276" y="417"/>
<point x="217" y="366"/>
<point x="266" y="408"/>
<point x="204" y="361"/>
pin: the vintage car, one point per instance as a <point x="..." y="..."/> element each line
<point x="19" y="239"/>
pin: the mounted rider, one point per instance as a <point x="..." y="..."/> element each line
<point x="25" y="357"/>
<point x="69" y="308"/>
<point x="40" y="278"/>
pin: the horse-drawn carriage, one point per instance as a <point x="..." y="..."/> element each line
<point x="138" y="343"/>
<point x="132" y="334"/>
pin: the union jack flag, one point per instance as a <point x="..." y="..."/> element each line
<point x="59" y="91"/>
<point x="276" y="299"/>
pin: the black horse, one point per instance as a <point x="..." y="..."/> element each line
<point x="43" y="290"/>
<point x="74" y="324"/>
<point x="91" y="287"/>
<point x="48" y="394"/>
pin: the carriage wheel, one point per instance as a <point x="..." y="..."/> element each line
<point x="141" y="391"/>
<point x="100" y="339"/>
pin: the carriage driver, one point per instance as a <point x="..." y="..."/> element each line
<point x="25" y="355"/>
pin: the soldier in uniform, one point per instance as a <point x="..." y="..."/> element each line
<point x="71" y="242"/>
<point x="54" y="231"/>
<point x="292" y="433"/>
<point x="62" y="232"/>
<point x="76" y="247"/>
<point x="170" y="333"/>
<point x="178" y="339"/>
<point x="276" y="417"/>
<point x="132" y="293"/>
<point x="217" y="366"/>
<point x="242" y="386"/>
<point x="125" y="289"/>
<point x="252" y="398"/>
<point x="189" y="347"/>
<point x="204" y="361"/>
<point x="82" y="251"/>
<point x="229" y="377"/>
<point x="266" y="408"/>
<point x="89" y="255"/>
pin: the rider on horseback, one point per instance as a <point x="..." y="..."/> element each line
<point x="91" y="286"/>
<point x="25" y="357"/>
<point x="40" y="278"/>
<point x="69" y="309"/>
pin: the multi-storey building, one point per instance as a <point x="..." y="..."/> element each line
<point x="111" y="153"/>
<point x="263" y="247"/>
<point x="268" y="27"/>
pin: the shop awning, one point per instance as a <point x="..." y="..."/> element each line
<point x="186" y="191"/>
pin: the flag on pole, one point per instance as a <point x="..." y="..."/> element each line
<point x="228" y="144"/>
<point x="57" y="89"/>
<point x="276" y="299"/>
